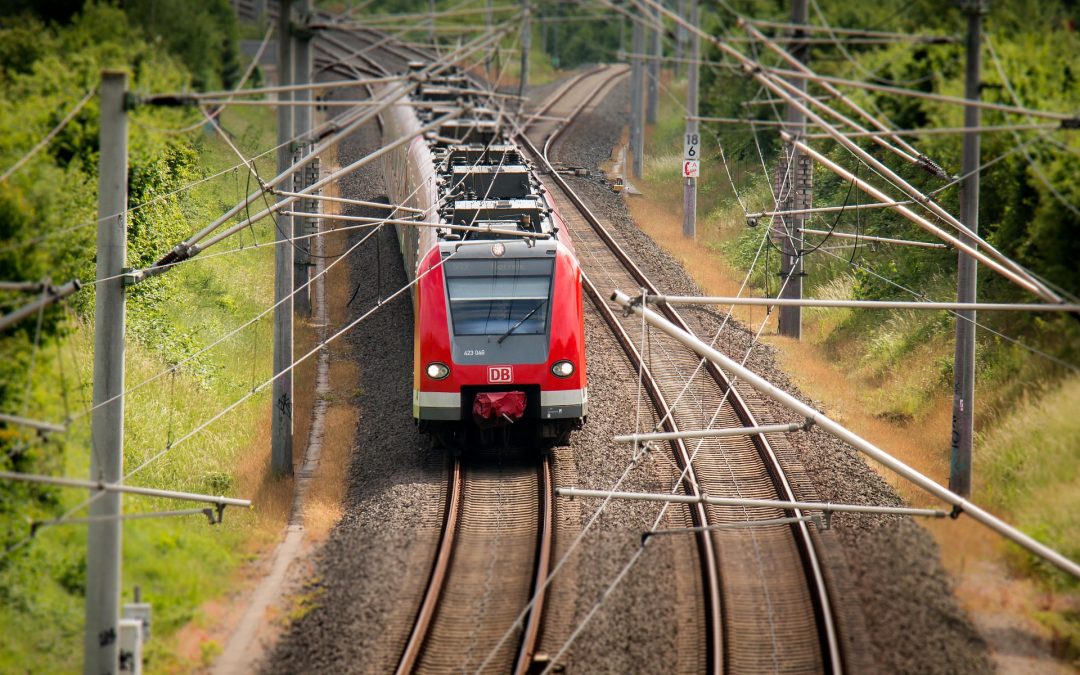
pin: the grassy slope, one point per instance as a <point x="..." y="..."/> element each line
<point x="1027" y="455"/>
<point x="178" y="562"/>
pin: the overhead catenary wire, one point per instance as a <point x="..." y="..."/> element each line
<point x="49" y="295"/>
<point x="1035" y="169"/>
<point x="811" y="28"/>
<point x="185" y="248"/>
<point x="572" y="546"/>
<point x="1024" y="281"/>
<point x="1013" y="270"/>
<point x="1068" y="118"/>
<point x="838" y="431"/>
<point x="44" y="142"/>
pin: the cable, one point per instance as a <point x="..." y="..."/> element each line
<point x="49" y="136"/>
<point x="1016" y="135"/>
<point x="836" y="220"/>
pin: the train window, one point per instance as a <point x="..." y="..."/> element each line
<point x="491" y="297"/>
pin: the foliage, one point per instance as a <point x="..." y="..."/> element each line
<point x="49" y="59"/>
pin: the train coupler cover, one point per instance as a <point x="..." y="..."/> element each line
<point x="496" y="409"/>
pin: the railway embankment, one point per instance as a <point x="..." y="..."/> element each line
<point x="891" y="566"/>
<point x="889" y="378"/>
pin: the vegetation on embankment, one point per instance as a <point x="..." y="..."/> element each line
<point x="49" y="58"/>
<point x="1027" y="452"/>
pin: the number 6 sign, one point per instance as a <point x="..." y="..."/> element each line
<point x="690" y="146"/>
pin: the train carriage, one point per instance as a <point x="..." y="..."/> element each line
<point x="499" y="348"/>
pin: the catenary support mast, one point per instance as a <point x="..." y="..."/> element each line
<point x="655" y="52"/>
<point x="637" y="112"/>
<point x="692" y="124"/>
<point x="302" y="121"/>
<point x="104" y="536"/>
<point x="794" y="180"/>
<point x="963" y="414"/>
<point x="281" y="423"/>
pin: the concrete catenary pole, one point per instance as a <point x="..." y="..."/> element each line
<point x="692" y="125"/>
<point x="795" y="183"/>
<point x="488" y="22"/>
<point x="431" y="21"/>
<point x="655" y="51"/>
<point x="281" y="423"/>
<point x="104" y="552"/>
<point x="637" y="101"/>
<point x="526" y="47"/>
<point x="963" y="413"/>
<point x="302" y="127"/>
<point x="680" y="39"/>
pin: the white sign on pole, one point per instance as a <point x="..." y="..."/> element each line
<point x="691" y="168"/>
<point x="690" y="146"/>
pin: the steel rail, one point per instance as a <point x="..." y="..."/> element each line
<point x="615" y="73"/>
<point x="440" y="571"/>
<point x="716" y="649"/>
<point x="714" y="607"/>
<point x="530" y="637"/>
<point x="451" y="521"/>
<point x="819" y="591"/>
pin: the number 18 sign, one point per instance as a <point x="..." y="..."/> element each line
<point x="690" y="146"/>
<point x="691" y="167"/>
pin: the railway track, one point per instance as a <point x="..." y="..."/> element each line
<point x="494" y="553"/>
<point x="495" y="549"/>
<point x="767" y="606"/>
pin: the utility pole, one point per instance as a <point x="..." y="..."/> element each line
<point x="680" y="38"/>
<point x="963" y="417"/>
<point x="622" y="36"/>
<point x="431" y="21"/>
<point x="526" y="47"/>
<point x="637" y="113"/>
<point x="281" y="422"/>
<point x="692" y="126"/>
<point x="654" y="70"/>
<point x="105" y="531"/>
<point x="794" y="180"/>
<point x="488" y="21"/>
<point x="302" y="127"/>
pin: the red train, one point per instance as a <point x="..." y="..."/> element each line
<point x="499" y="342"/>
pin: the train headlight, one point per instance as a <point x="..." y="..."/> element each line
<point x="438" y="371"/>
<point x="562" y="369"/>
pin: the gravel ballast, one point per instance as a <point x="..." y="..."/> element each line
<point x="358" y="606"/>
<point x="886" y="569"/>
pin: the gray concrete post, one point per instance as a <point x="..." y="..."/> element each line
<point x="692" y="126"/>
<point x="302" y="63"/>
<point x="281" y="422"/>
<point x="798" y="189"/>
<point x="963" y="413"/>
<point x="655" y="51"/>
<point x="104" y="537"/>
<point x="637" y="102"/>
<point x="526" y="47"/>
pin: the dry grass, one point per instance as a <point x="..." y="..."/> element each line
<point x="324" y="502"/>
<point x="922" y="443"/>
<point x="326" y="495"/>
<point x="271" y="495"/>
<point x="661" y="219"/>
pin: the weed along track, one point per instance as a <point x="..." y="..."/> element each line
<point x="493" y="554"/>
<point x="766" y="601"/>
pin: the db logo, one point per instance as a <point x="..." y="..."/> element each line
<point x="500" y="374"/>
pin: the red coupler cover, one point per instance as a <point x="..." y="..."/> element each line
<point x="492" y="409"/>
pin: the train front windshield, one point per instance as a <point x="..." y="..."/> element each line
<point x="500" y="296"/>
